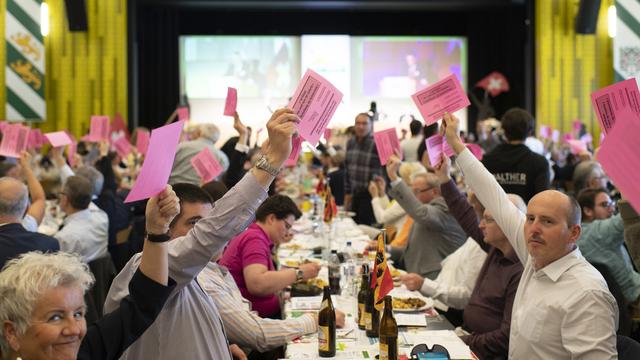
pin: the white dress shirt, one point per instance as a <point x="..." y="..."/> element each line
<point x="562" y="311"/>
<point x="458" y="276"/>
<point x="388" y="213"/>
<point x="85" y="233"/>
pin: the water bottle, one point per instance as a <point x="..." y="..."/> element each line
<point x="334" y="272"/>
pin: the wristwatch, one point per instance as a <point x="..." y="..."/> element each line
<point x="299" y="275"/>
<point x="158" y="238"/>
<point x="263" y="164"/>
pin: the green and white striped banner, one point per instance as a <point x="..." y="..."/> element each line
<point x="626" y="44"/>
<point x="25" y="66"/>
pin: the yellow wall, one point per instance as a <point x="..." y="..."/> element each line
<point x="569" y="66"/>
<point x="86" y="72"/>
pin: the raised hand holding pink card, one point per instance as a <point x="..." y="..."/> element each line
<point x="206" y="165"/>
<point x="315" y="101"/>
<point x="446" y="95"/>
<point x="616" y="102"/>
<point x="58" y="138"/>
<point x="232" y="102"/>
<point x="99" y="130"/>
<point x="157" y="165"/>
<point x="387" y="144"/>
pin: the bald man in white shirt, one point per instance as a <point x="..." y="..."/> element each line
<point x="563" y="308"/>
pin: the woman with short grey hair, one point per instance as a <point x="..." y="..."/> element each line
<point x="42" y="299"/>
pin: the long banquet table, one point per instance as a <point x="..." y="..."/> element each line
<point x="352" y="343"/>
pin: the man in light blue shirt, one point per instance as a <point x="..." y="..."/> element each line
<point x="602" y="240"/>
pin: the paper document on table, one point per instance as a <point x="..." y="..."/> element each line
<point x="455" y="346"/>
<point x="615" y="102"/>
<point x="410" y="319"/>
<point x="315" y="101"/>
<point x="309" y="302"/>
<point x="445" y="95"/>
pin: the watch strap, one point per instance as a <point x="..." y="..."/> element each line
<point x="158" y="238"/>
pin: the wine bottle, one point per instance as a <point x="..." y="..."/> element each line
<point x="371" y="314"/>
<point x="363" y="296"/>
<point x="327" y="326"/>
<point x="388" y="332"/>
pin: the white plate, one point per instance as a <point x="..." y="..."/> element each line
<point x="428" y="304"/>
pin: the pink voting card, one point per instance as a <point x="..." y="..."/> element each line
<point x="446" y="95"/>
<point x="577" y="125"/>
<point x="327" y="134"/>
<point x="315" y="101"/>
<point x="232" y="102"/>
<point x="296" y="146"/>
<point x="436" y="144"/>
<point x="100" y="127"/>
<point x="620" y="159"/>
<point x="476" y="150"/>
<point x="183" y="113"/>
<point x="118" y="126"/>
<point x="156" y="167"/>
<point x="566" y="137"/>
<point x="15" y="138"/>
<point x="142" y="141"/>
<point x="545" y="131"/>
<point x="587" y="138"/>
<point x="58" y="138"/>
<point x="616" y="102"/>
<point x="577" y="146"/>
<point x="122" y="146"/>
<point x="206" y="165"/>
<point x="555" y="136"/>
<point x="387" y="144"/>
<point x="36" y="139"/>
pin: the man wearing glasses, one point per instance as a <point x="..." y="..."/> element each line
<point x="250" y="256"/>
<point x="435" y="233"/>
<point x="602" y="240"/>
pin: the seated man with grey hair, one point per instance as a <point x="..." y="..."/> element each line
<point x="435" y="233"/>
<point x="85" y="229"/>
<point x="14" y="238"/>
<point x="589" y="175"/>
<point x="183" y="171"/>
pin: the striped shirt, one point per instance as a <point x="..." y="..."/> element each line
<point x="244" y="327"/>
<point x="361" y="164"/>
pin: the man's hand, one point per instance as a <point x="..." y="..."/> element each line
<point x="309" y="270"/>
<point x="238" y="125"/>
<point x="382" y="185"/>
<point x="237" y="353"/>
<point x="340" y="318"/>
<point x="160" y="211"/>
<point x="104" y="148"/>
<point x="57" y="157"/>
<point x="25" y="162"/>
<point x="373" y="190"/>
<point x="412" y="281"/>
<point x="393" y="164"/>
<point x="281" y="127"/>
<point x="451" y="131"/>
<point x="443" y="170"/>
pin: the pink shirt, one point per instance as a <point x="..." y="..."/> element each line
<point x="252" y="246"/>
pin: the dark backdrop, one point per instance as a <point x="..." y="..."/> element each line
<point x="499" y="37"/>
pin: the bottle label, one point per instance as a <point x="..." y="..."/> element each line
<point x="361" y="314"/>
<point x="323" y="338"/>
<point x="384" y="351"/>
<point x="388" y="348"/>
<point x="367" y="321"/>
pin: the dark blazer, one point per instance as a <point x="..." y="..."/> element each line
<point x="16" y="240"/>
<point x="110" y="336"/>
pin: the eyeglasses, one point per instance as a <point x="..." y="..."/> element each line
<point x="420" y="191"/>
<point x="287" y="224"/>
<point x="607" y="204"/>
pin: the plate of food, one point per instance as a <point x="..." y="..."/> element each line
<point x="411" y="304"/>
<point x="293" y="263"/>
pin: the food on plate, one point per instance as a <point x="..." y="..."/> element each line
<point x="408" y="303"/>
<point x="317" y="282"/>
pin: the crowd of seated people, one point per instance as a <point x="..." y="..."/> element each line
<point x="528" y="248"/>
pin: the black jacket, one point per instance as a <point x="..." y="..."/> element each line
<point x="16" y="240"/>
<point x="518" y="170"/>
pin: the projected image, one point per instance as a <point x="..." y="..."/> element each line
<point x="398" y="67"/>
<point x="258" y="66"/>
